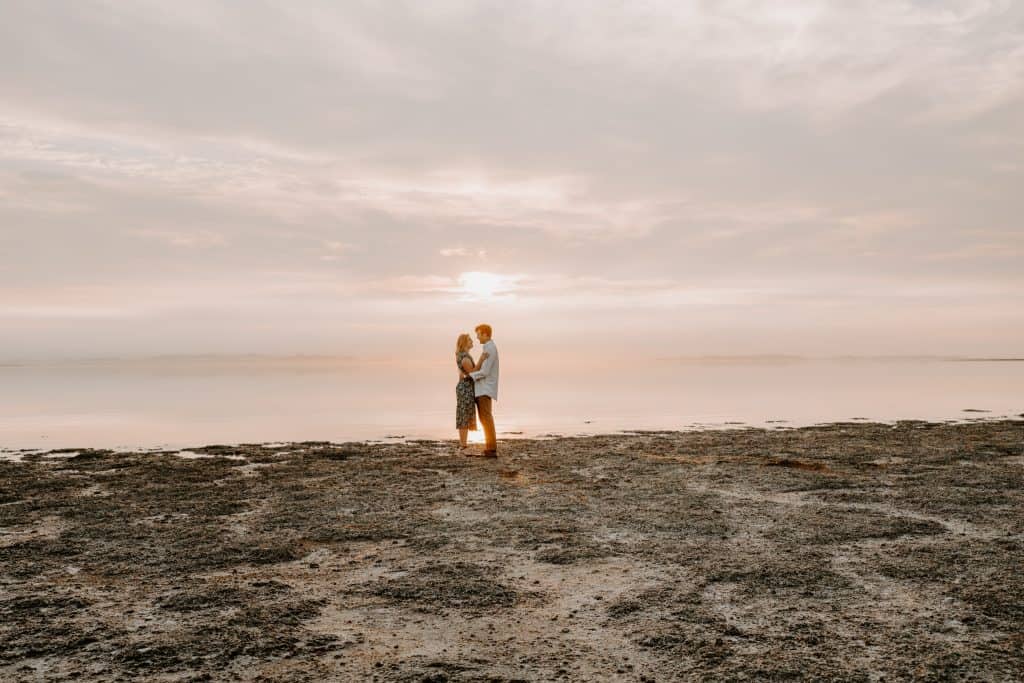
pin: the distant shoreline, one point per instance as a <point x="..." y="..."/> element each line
<point x="348" y="360"/>
<point x="975" y="416"/>
<point x="786" y="358"/>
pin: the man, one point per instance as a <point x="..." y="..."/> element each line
<point x="486" y="389"/>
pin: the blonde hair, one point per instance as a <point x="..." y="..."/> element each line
<point x="463" y="343"/>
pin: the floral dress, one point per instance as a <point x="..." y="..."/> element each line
<point x="465" y="398"/>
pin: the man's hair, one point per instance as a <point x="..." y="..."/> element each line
<point x="486" y="329"/>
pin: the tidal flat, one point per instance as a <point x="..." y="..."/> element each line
<point x="847" y="551"/>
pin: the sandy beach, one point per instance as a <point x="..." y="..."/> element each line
<point x="846" y="551"/>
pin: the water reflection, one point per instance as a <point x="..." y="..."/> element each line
<point x="192" y="401"/>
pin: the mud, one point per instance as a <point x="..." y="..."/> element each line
<point x="851" y="551"/>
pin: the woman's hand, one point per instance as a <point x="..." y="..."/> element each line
<point x="484" y="356"/>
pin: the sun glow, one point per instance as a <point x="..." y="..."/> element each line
<point x="479" y="285"/>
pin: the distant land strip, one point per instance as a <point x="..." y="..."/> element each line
<point x="788" y="358"/>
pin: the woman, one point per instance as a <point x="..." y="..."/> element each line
<point x="465" y="396"/>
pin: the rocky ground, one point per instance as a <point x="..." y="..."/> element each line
<point x="842" y="552"/>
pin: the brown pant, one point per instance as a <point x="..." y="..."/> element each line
<point x="483" y="407"/>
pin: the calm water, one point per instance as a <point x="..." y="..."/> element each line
<point x="190" y="402"/>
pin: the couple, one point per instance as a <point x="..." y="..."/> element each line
<point x="477" y="390"/>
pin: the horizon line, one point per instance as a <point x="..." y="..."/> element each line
<point x="350" y="358"/>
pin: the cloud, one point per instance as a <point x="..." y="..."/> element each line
<point x="960" y="57"/>
<point x="292" y="189"/>
<point x="325" y="161"/>
<point x="39" y="312"/>
<point x="190" y="240"/>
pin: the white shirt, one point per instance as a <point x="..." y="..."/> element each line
<point x="486" y="378"/>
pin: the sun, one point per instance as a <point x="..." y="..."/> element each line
<point x="479" y="285"/>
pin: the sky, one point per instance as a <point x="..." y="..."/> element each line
<point x="637" y="180"/>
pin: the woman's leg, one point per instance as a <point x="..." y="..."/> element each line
<point x="462" y="436"/>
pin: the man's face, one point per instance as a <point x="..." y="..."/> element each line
<point x="483" y="337"/>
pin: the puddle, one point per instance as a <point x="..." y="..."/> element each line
<point x="192" y="455"/>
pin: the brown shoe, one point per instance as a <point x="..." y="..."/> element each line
<point x="490" y="454"/>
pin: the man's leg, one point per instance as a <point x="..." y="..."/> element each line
<point x="483" y="407"/>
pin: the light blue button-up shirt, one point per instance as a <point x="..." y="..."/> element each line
<point x="485" y="380"/>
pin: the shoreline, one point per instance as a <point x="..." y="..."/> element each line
<point x="853" y="550"/>
<point x="972" y="416"/>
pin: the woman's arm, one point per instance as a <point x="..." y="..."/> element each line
<point x="479" y="363"/>
<point x="467" y="364"/>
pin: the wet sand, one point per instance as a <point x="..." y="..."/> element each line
<point x="847" y="551"/>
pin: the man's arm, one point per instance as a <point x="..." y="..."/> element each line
<point x="485" y="370"/>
